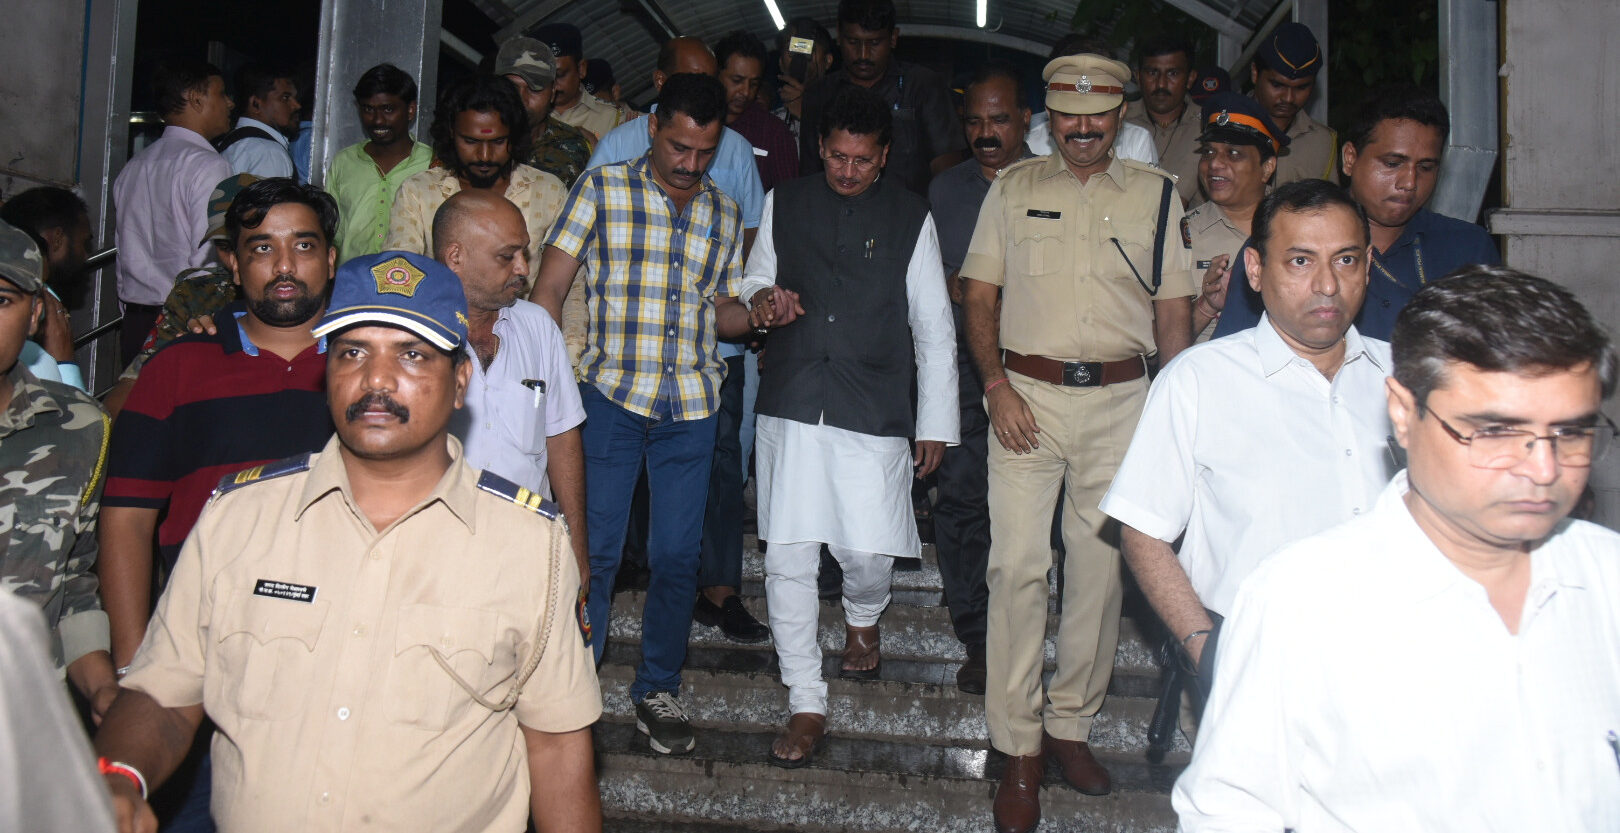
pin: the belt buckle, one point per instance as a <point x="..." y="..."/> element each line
<point x="1082" y="374"/>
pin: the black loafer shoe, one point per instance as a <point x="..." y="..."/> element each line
<point x="731" y="618"/>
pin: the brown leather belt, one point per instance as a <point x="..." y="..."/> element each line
<point x="1075" y="374"/>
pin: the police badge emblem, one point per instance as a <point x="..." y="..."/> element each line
<point x="397" y="276"/>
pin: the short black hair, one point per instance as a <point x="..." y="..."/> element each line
<point x="1302" y="196"/>
<point x="484" y="93"/>
<point x="1165" y="43"/>
<point x="249" y="208"/>
<point x="871" y="15"/>
<point x="385" y="79"/>
<point x="700" y="97"/>
<point x="857" y="110"/>
<point x="38" y="210"/>
<point x="739" y="42"/>
<point x="1080" y="43"/>
<point x="1498" y="320"/>
<point x="805" y="27"/>
<point x="997" y="68"/>
<point x="258" y="80"/>
<point x="1401" y="102"/>
<point x="173" y="79"/>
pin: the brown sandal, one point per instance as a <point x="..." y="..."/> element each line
<point x="804" y="733"/>
<point x="860" y="646"/>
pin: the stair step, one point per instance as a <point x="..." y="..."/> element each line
<point x="882" y="709"/>
<point x="856" y="784"/>
<point x="909" y="632"/>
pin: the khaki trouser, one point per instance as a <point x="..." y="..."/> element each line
<point x="1083" y="436"/>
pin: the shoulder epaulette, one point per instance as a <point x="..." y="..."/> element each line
<point x="1146" y="168"/>
<point x="500" y="487"/>
<point x="260" y="473"/>
<point x="1022" y="163"/>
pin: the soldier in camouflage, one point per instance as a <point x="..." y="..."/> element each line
<point x="560" y="149"/>
<point x="53" y="441"/>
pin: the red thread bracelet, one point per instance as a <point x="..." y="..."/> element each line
<point x="992" y="385"/>
<point x="134" y="775"/>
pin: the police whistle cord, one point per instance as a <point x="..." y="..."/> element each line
<point x="542" y="635"/>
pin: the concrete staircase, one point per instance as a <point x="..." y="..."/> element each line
<point x="904" y="753"/>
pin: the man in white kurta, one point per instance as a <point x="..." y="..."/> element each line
<point x="1450" y="659"/>
<point x="833" y="460"/>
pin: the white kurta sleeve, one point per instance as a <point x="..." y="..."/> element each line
<point x="760" y="272"/>
<point x="933" y="335"/>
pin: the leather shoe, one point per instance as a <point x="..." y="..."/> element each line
<point x="731" y="618"/>
<point x="971" y="676"/>
<point x="1079" y="768"/>
<point x="1017" y="807"/>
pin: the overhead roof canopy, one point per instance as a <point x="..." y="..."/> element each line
<point x="628" y="40"/>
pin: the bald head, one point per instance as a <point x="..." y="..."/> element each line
<point x="680" y="55"/>
<point x="464" y="211"/>
<point x="482" y="237"/>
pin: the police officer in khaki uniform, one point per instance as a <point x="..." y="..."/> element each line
<point x="1093" y="279"/>
<point x="1164" y="72"/>
<point x="1237" y="156"/>
<point x="369" y="626"/>
<point x="1284" y="76"/>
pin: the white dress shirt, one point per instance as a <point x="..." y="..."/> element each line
<point x="1132" y="142"/>
<point x="162" y="203"/>
<point x="527" y="395"/>
<point x="820" y="483"/>
<point x="1246" y="446"/>
<point x="1368" y="685"/>
<point x="264" y="158"/>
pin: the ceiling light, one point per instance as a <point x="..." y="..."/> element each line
<point x="776" y="14"/>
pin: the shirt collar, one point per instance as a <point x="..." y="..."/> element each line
<point x="1414" y="230"/>
<point x="978" y="170"/>
<point x="186" y="135"/>
<point x="642" y="166"/>
<point x="1275" y="354"/>
<point x="29" y="399"/>
<point x="1055" y="166"/>
<point x="244" y="121"/>
<point x="246" y="345"/>
<point x="328" y="475"/>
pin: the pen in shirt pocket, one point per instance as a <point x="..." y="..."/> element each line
<point x="539" y="388"/>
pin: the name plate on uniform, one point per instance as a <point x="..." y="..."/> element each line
<point x="1205" y="264"/>
<point x="1045" y="215"/>
<point x="284" y="590"/>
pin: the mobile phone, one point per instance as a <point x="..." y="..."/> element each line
<point x="800" y="50"/>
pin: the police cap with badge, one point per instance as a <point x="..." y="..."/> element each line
<point x="1291" y="51"/>
<point x="1235" y="119"/>
<point x="1085" y="84"/>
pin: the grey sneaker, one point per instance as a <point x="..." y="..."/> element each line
<point x="660" y="717"/>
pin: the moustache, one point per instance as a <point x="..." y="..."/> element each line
<point x="284" y="279"/>
<point x="987" y="143"/>
<point x="1081" y="137"/>
<point x="370" y="400"/>
<point x="684" y="172"/>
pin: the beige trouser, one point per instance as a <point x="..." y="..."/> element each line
<point x="1083" y="436"/>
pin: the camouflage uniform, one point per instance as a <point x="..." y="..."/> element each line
<point x="53" y="444"/>
<point x="561" y="149"/>
<point x="197" y="292"/>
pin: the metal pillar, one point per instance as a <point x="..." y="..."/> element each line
<point x="109" y="58"/>
<point x="1468" y="71"/>
<point x="355" y="36"/>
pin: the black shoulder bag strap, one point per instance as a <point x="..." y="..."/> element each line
<point x="247" y="131"/>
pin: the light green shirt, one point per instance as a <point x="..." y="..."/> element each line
<point x="365" y="195"/>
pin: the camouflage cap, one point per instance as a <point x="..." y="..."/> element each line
<point x="20" y="261"/>
<point x="220" y="201"/>
<point x="528" y="59"/>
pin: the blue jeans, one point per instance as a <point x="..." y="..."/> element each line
<point x="721" y="564"/>
<point x="677" y="455"/>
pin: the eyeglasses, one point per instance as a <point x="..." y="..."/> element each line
<point x="1576" y="446"/>
<point x="859" y="163"/>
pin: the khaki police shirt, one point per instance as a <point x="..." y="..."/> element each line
<point x="1177" y="146"/>
<point x="1312" y="148"/>
<point x="592" y="114"/>
<point x="1211" y="235"/>
<point x="309" y="638"/>
<point x="1066" y="291"/>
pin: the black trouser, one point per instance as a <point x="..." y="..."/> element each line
<point x="139" y="319"/>
<point x="721" y="559"/>
<point x="962" y="510"/>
